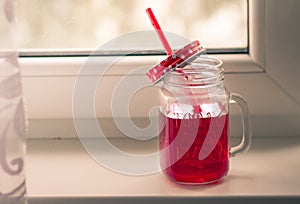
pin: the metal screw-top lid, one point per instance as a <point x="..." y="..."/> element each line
<point x="180" y="58"/>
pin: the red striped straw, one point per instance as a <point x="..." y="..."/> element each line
<point x="156" y="73"/>
<point x="159" y="32"/>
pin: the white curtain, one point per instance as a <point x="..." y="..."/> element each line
<point x="12" y="118"/>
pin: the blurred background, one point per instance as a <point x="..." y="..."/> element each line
<point x="59" y="25"/>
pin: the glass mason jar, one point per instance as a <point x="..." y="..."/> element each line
<point x="194" y="123"/>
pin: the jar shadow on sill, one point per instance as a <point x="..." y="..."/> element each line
<point x="202" y="187"/>
<point x="267" y="144"/>
<point x="196" y="187"/>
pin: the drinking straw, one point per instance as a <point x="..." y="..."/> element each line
<point x="159" y="32"/>
<point x="169" y="51"/>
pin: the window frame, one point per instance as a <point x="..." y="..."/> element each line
<point x="68" y="63"/>
<point x="250" y="64"/>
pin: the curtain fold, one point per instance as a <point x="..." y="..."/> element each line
<point x="12" y="116"/>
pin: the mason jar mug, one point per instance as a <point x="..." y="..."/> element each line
<point x="194" y="123"/>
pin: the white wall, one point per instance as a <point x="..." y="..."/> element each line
<point x="283" y="45"/>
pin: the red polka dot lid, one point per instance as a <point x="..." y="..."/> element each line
<point x="178" y="59"/>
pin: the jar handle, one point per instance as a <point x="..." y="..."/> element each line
<point x="247" y="134"/>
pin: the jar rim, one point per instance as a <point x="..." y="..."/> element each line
<point x="217" y="62"/>
<point x="198" y="64"/>
<point x="203" y="71"/>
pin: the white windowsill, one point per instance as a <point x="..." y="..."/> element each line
<point x="61" y="171"/>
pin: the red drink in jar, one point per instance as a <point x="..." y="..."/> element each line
<point x="186" y="164"/>
<point x="194" y="120"/>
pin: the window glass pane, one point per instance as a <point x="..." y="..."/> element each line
<point x="87" y="24"/>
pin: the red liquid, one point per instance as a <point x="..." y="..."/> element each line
<point x="185" y="165"/>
